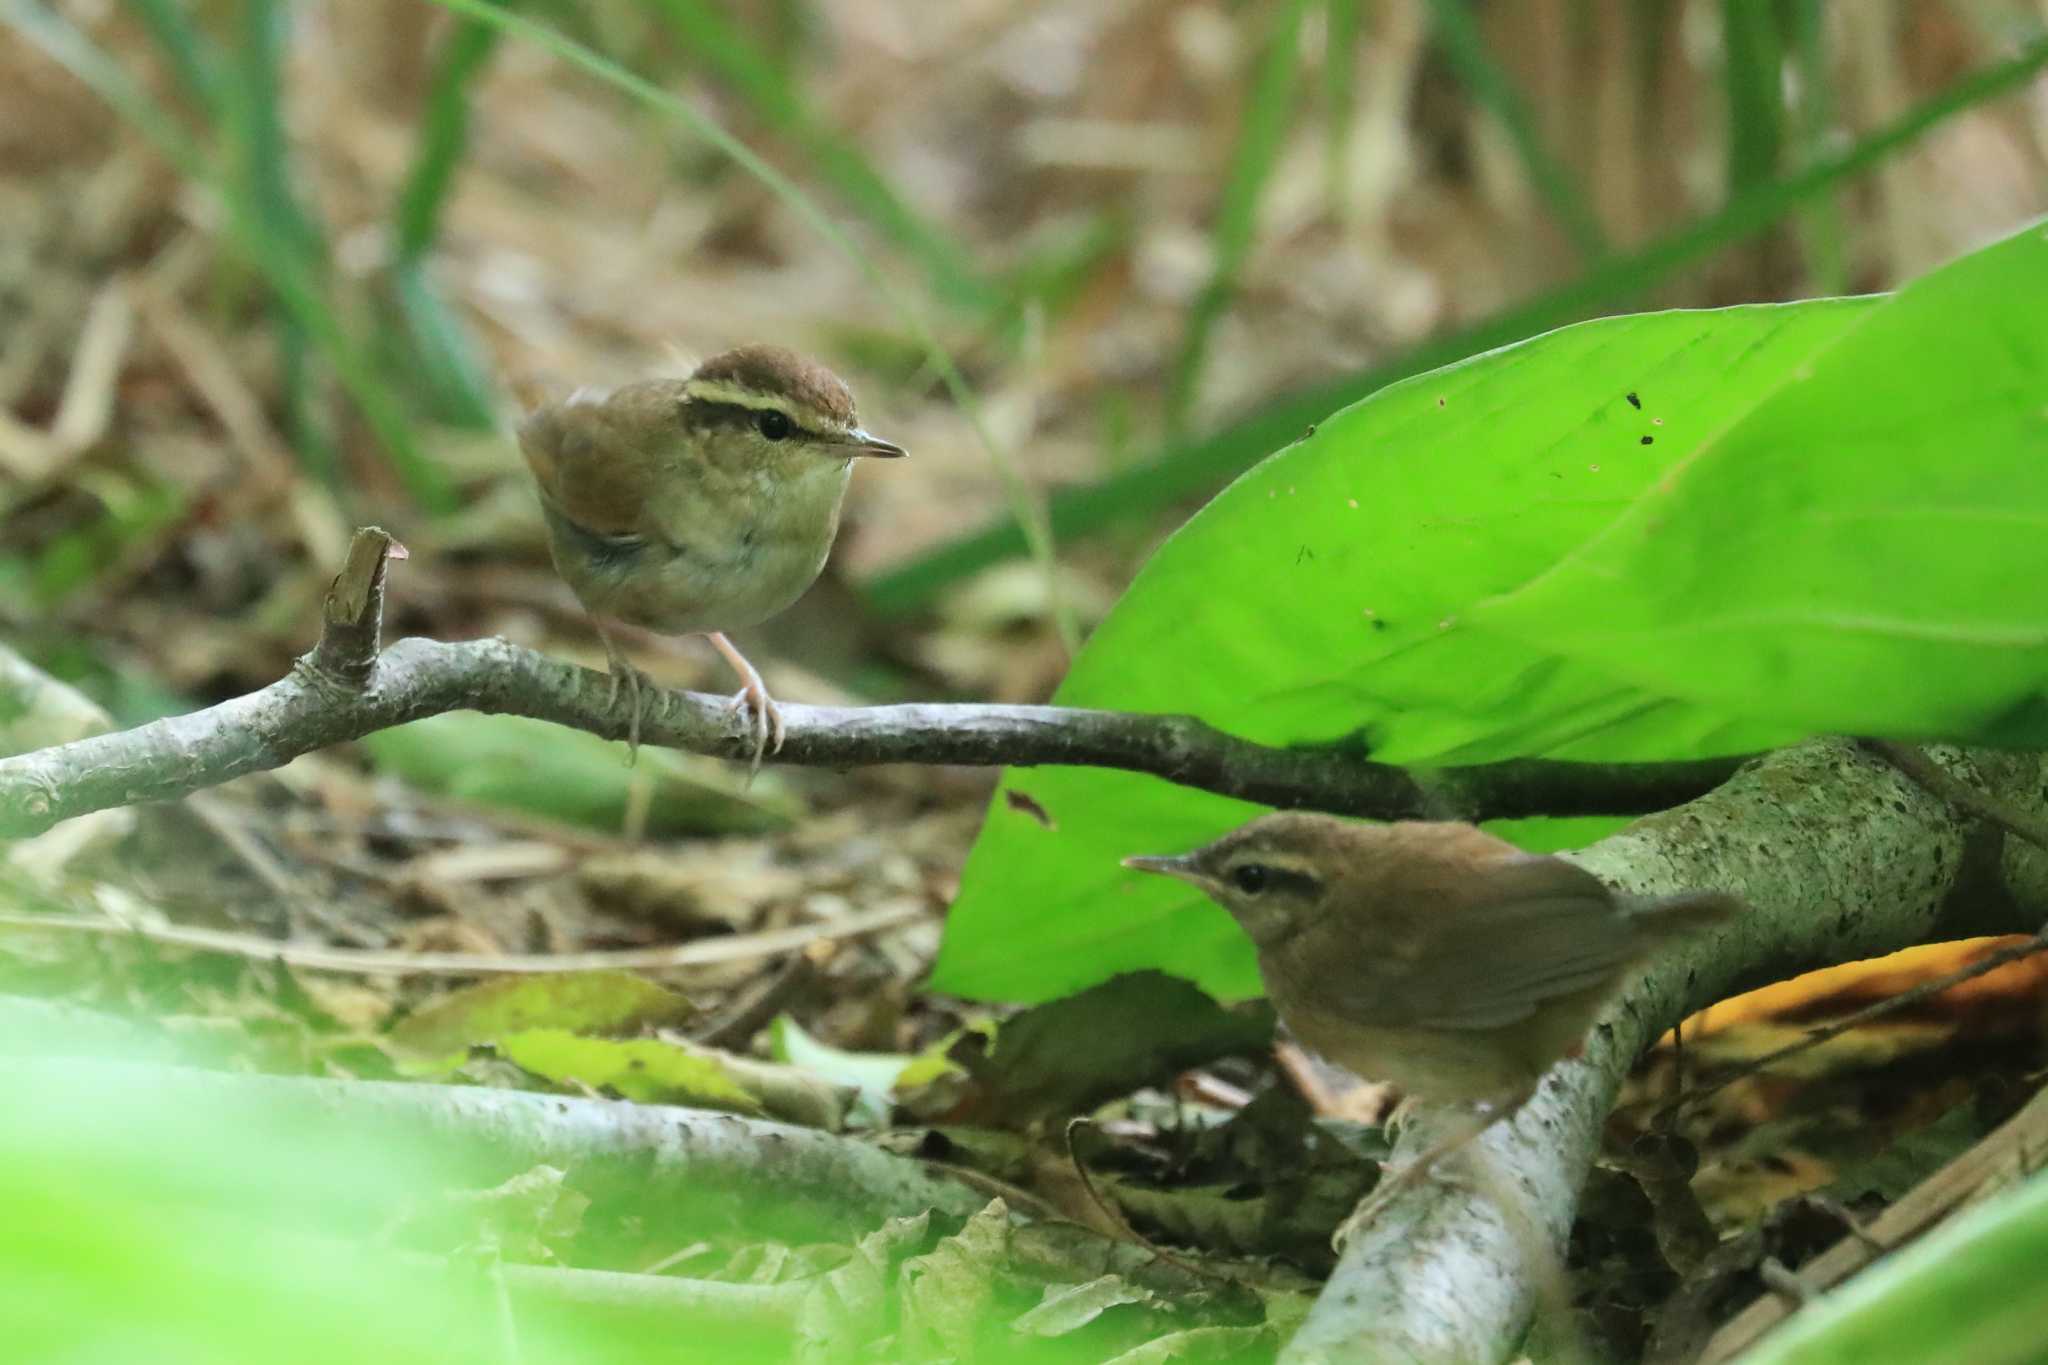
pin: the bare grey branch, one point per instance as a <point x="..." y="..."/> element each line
<point x="343" y="689"/>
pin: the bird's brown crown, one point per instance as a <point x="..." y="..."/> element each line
<point x="775" y="379"/>
<point x="1296" y="840"/>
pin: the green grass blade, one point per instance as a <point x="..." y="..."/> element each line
<point x="281" y="267"/>
<point x="254" y="117"/>
<point x="1651" y="25"/>
<point x="1261" y="136"/>
<point x="1341" y="19"/>
<point x="455" y="380"/>
<point x="1820" y="222"/>
<point x="1754" y="50"/>
<point x="58" y="39"/>
<point x="1189" y="468"/>
<point x="262" y="189"/>
<point x="770" y="92"/>
<point x="306" y="422"/>
<point x="444" y="134"/>
<point x="1458" y="37"/>
<point x="186" y="47"/>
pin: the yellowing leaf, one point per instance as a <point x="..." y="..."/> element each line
<point x="576" y="1002"/>
<point x="644" y="1069"/>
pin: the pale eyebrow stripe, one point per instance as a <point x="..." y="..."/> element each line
<point x="717" y="391"/>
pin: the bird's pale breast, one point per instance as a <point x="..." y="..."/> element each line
<point x="701" y="567"/>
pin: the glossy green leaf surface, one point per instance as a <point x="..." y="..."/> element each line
<point x="1321" y="599"/>
<point x="1651" y="537"/>
<point x="1862" y="550"/>
<point x="1969" y="1290"/>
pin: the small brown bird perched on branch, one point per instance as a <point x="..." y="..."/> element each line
<point x="699" y="505"/>
<point x="1435" y="956"/>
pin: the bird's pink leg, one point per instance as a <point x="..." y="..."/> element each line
<point x="752" y="696"/>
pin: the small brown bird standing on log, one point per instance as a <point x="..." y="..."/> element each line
<point x="1431" y="955"/>
<point x="699" y="505"/>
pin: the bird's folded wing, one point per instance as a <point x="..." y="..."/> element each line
<point x="1544" y="927"/>
<point x="582" y="460"/>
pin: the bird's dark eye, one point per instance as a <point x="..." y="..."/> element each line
<point x="772" y="424"/>
<point x="1250" y="878"/>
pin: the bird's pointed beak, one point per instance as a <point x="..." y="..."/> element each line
<point x="864" y="443"/>
<point x="1181" y="868"/>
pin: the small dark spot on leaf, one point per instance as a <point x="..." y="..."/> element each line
<point x="1304" y="553"/>
<point x="1634" y="401"/>
<point x="1025" y="804"/>
<point x="1310" y="432"/>
<point x="1378" y="624"/>
<point x="1649" y="440"/>
<point x="1439" y="402"/>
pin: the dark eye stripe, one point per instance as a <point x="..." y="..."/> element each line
<point x="705" y="412"/>
<point x="1273" y="879"/>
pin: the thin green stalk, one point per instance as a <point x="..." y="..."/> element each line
<point x="186" y="47"/>
<point x="1261" y="136"/>
<point x="768" y="90"/>
<point x="1341" y="23"/>
<point x="1027" y="507"/>
<point x="1458" y="36"/>
<point x="1188" y="469"/>
<point x="1650" y="26"/>
<point x="254" y="115"/>
<point x="443" y="136"/>
<point x="261" y="187"/>
<point x="64" y="44"/>
<point x="447" y="355"/>
<point x="1752" y="76"/>
<point x="1820" y="222"/>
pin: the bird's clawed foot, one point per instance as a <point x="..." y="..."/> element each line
<point x="1393" y="1180"/>
<point x="760" y="718"/>
<point x="636" y="685"/>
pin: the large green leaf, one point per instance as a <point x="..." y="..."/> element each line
<point x="1650" y="537"/>
<point x="1862" y="550"/>
<point x="1969" y="1290"/>
<point x="1322" y="599"/>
